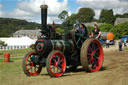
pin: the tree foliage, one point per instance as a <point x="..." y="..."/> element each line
<point x="125" y="15"/>
<point x="90" y="28"/>
<point x="120" y="30"/>
<point x="107" y="16"/>
<point x="105" y="27"/>
<point x="59" y="31"/>
<point x="63" y="15"/>
<point x="2" y="43"/>
<point x="85" y="15"/>
<point x="9" y="26"/>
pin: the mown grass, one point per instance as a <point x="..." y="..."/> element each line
<point x="12" y="74"/>
<point x="12" y="59"/>
<point x="15" y="53"/>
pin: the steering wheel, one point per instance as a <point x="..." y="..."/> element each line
<point x="79" y="36"/>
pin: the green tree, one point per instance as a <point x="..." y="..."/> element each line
<point x="120" y="30"/>
<point x="125" y="15"/>
<point x="85" y="15"/>
<point x="70" y="21"/>
<point x="107" y="16"/>
<point x="63" y="15"/>
<point x="106" y="27"/>
<point x="73" y="18"/>
<point x="66" y="23"/>
<point x="59" y="31"/>
<point x="2" y="43"/>
<point x="9" y="25"/>
<point x="90" y="28"/>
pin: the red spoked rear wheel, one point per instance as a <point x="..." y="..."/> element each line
<point x="30" y="64"/>
<point x="56" y="64"/>
<point x="91" y="55"/>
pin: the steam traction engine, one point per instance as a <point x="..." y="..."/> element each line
<point x="57" y="55"/>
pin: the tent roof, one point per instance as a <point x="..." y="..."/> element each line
<point x="23" y="41"/>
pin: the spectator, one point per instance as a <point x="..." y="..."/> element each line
<point x="107" y="43"/>
<point x="120" y="45"/>
<point x="125" y="42"/>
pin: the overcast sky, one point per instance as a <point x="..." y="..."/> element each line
<point x="30" y="9"/>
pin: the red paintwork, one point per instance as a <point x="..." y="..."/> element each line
<point x="91" y="59"/>
<point x="31" y="68"/>
<point x="53" y="62"/>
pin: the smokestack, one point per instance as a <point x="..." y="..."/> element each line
<point x="44" y="19"/>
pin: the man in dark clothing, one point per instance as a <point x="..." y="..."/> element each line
<point x="120" y="45"/>
<point x="82" y="28"/>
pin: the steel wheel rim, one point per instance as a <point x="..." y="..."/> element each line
<point x="29" y="65"/>
<point x="57" y="64"/>
<point x="95" y="56"/>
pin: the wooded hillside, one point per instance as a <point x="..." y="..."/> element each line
<point x="10" y="25"/>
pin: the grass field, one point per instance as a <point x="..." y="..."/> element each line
<point x="12" y="74"/>
<point x="115" y="73"/>
<point x="15" y="53"/>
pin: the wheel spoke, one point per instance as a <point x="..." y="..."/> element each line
<point x="59" y="68"/>
<point x="89" y="54"/>
<point x="78" y="41"/>
<point x="58" y="59"/>
<point x="97" y="54"/>
<point x="96" y="49"/>
<point x="35" y="69"/>
<point x="31" y="68"/>
<point x="28" y="64"/>
<point x="93" y="45"/>
<point x="28" y="68"/>
<point x="81" y="41"/>
<point x="90" y="49"/>
<point x="94" y="63"/>
<point x="77" y="34"/>
<point x="53" y="67"/>
<point x="28" y="60"/>
<point x="89" y="61"/>
<point x="54" y="60"/>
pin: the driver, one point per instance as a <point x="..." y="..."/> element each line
<point x="82" y="29"/>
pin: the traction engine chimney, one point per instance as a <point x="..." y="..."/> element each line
<point x="44" y="21"/>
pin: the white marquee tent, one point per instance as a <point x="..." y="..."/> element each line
<point x="17" y="43"/>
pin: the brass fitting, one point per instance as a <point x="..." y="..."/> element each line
<point x="43" y="6"/>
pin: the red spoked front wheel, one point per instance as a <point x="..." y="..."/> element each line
<point x="31" y="65"/>
<point x="56" y="64"/>
<point x="91" y="55"/>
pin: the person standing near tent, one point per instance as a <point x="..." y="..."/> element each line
<point x="107" y="43"/>
<point x="120" y="45"/>
<point x="125" y="42"/>
<point x="96" y="32"/>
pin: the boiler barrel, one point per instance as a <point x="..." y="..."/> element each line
<point x="46" y="46"/>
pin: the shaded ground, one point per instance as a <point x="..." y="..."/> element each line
<point x="114" y="72"/>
